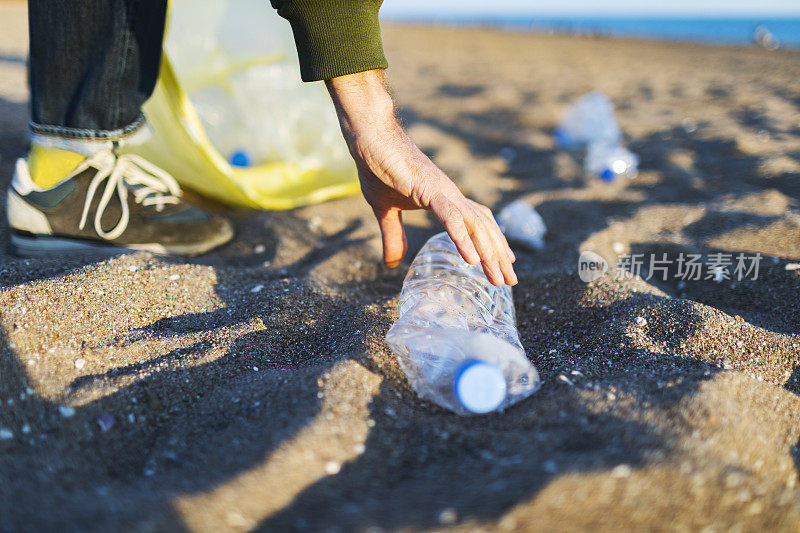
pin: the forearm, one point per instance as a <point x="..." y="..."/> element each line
<point x="363" y="103"/>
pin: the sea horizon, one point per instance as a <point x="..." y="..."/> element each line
<point x="729" y="30"/>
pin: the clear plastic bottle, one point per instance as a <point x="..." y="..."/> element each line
<point x="590" y="119"/>
<point x="610" y="161"/>
<point x="522" y="224"/>
<point x="456" y="337"/>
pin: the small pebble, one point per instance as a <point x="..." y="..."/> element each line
<point x="105" y="422"/>
<point x="359" y="448"/>
<point x="621" y="471"/>
<point x="66" y="411"/>
<point x="508" y="154"/>
<point x="640" y="321"/>
<point x="448" y="516"/>
<point x="689" y="125"/>
<point x="79" y="363"/>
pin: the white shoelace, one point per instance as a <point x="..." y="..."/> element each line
<point x="150" y="186"/>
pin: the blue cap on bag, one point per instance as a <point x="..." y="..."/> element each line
<point x="240" y="158"/>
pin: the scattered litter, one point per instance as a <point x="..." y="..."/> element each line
<point x="260" y="249"/>
<point x="175" y="277"/>
<point x="255" y="369"/>
<point x="618" y="247"/>
<point x="792" y="266"/>
<point x="359" y="448"/>
<point x="610" y="161"/>
<point x="26" y="429"/>
<point x="6" y="434"/>
<point x="590" y="122"/>
<point x="566" y="380"/>
<point x="589" y="119"/>
<point x="257" y="288"/>
<point x="106" y="422"/>
<point x="79" y="363"/>
<point x="66" y="411"/>
<point x="522" y="224"/>
<point x="332" y="468"/>
<point x="640" y="321"/>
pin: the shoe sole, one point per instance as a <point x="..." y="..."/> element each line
<point x="45" y="245"/>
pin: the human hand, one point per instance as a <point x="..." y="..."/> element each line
<point x="395" y="176"/>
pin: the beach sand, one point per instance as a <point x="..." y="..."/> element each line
<point x="252" y="389"/>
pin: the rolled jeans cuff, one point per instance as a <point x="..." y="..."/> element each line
<point x="88" y="134"/>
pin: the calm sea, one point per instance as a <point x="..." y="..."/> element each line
<point x="708" y="30"/>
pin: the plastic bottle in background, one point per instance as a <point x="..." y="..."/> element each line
<point x="456" y="337"/>
<point x="590" y="119"/>
<point x="522" y="224"/>
<point x="610" y="161"/>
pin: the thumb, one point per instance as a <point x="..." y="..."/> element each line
<point x="393" y="235"/>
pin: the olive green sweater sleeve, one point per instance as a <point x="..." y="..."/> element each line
<point x="334" y="37"/>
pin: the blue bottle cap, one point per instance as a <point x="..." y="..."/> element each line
<point x="608" y="175"/>
<point x="563" y="139"/>
<point x="240" y="158"/>
<point x="479" y="387"/>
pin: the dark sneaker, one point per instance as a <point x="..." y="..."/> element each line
<point x="109" y="202"/>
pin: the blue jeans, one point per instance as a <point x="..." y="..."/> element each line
<point x="93" y="64"/>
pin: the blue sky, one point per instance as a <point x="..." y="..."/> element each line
<point x="590" y="7"/>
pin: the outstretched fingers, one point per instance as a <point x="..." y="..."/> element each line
<point x="393" y="236"/>
<point x="477" y="237"/>
<point x="453" y="221"/>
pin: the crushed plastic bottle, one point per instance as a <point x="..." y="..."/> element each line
<point x="610" y="161"/>
<point x="522" y="224"/>
<point x="456" y="337"/>
<point x="590" y="119"/>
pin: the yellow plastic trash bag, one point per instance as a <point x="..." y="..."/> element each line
<point x="231" y="118"/>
